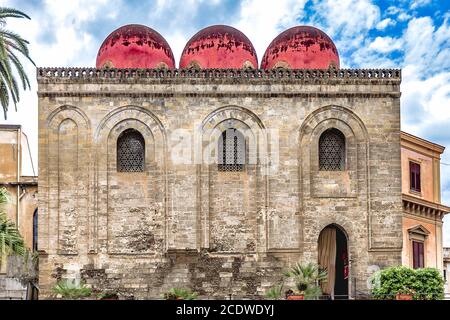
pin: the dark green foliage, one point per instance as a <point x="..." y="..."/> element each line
<point x="424" y="283"/>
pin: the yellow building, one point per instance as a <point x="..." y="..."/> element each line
<point x="22" y="205"/>
<point x="422" y="208"/>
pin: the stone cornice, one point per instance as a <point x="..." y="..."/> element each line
<point x="83" y="75"/>
<point x="424" y="208"/>
<point x="421" y="145"/>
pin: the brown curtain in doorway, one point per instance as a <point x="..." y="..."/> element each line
<point x="327" y="258"/>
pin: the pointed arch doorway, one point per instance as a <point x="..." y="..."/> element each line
<point x="333" y="255"/>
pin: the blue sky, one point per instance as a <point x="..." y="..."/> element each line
<point x="410" y="34"/>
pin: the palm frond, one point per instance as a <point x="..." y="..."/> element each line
<point x="11" y="242"/>
<point x="4" y="97"/>
<point x="11" y="45"/>
<point x="4" y="196"/>
<point x="12" y="13"/>
<point x="20" y="71"/>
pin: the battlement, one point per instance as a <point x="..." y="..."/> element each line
<point x="76" y="74"/>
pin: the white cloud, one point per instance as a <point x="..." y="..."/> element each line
<point x="419" y="3"/>
<point x="348" y="23"/>
<point x="401" y="14"/>
<point x="404" y="16"/>
<point x="383" y="24"/>
<point x="385" y="44"/>
<point x="347" y="17"/>
<point x="262" y="21"/>
<point x="425" y="47"/>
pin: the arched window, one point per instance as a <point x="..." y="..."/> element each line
<point x="35" y="230"/>
<point x="231" y="151"/>
<point x="332" y="151"/>
<point x="130" y="151"/>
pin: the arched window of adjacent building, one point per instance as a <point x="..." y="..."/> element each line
<point x="231" y="151"/>
<point x="130" y="151"/>
<point x="332" y="151"/>
<point x="35" y="230"/>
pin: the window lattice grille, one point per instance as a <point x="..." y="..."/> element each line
<point x="231" y="155"/>
<point x="130" y="151"/>
<point x="332" y="151"/>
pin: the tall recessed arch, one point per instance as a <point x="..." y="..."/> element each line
<point x="67" y="151"/>
<point x="145" y="185"/>
<point x="247" y="195"/>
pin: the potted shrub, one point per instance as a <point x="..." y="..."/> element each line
<point x="402" y="282"/>
<point x="180" y="294"/>
<point x="405" y="294"/>
<point x="307" y="278"/>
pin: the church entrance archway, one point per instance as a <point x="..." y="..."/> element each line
<point x="333" y="255"/>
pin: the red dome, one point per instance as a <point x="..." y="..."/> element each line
<point x="221" y="47"/>
<point x="301" y="47"/>
<point x="135" y="46"/>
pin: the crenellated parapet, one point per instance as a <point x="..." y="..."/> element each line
<point x="86" y="74"/>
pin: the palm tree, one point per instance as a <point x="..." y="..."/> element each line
<point x="11" y="242"/>
<point x="307" y="278"/>
<point x="12" y="46"/>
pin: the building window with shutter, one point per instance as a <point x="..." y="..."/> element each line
<point x="231" y="151"/>
<point x="332" y="151"/>
<point x="418" y="255"/>
<point x="414" y="173"/>
<point x="130" y="151"/>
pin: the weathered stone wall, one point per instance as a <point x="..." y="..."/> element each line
<point x="182" y="223"/>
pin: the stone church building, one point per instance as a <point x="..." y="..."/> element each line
<point x="218" y="175"/>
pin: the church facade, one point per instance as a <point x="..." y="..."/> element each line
<point x="217" y="176"/>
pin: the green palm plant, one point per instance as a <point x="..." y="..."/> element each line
<point x="307" y="278"/>
<point x="69" y="289"/>
<point x="180" y="293"/>
<point x="275" y="292"/>
<point x="11" y="242"/>
<point x="12" y="46"/>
